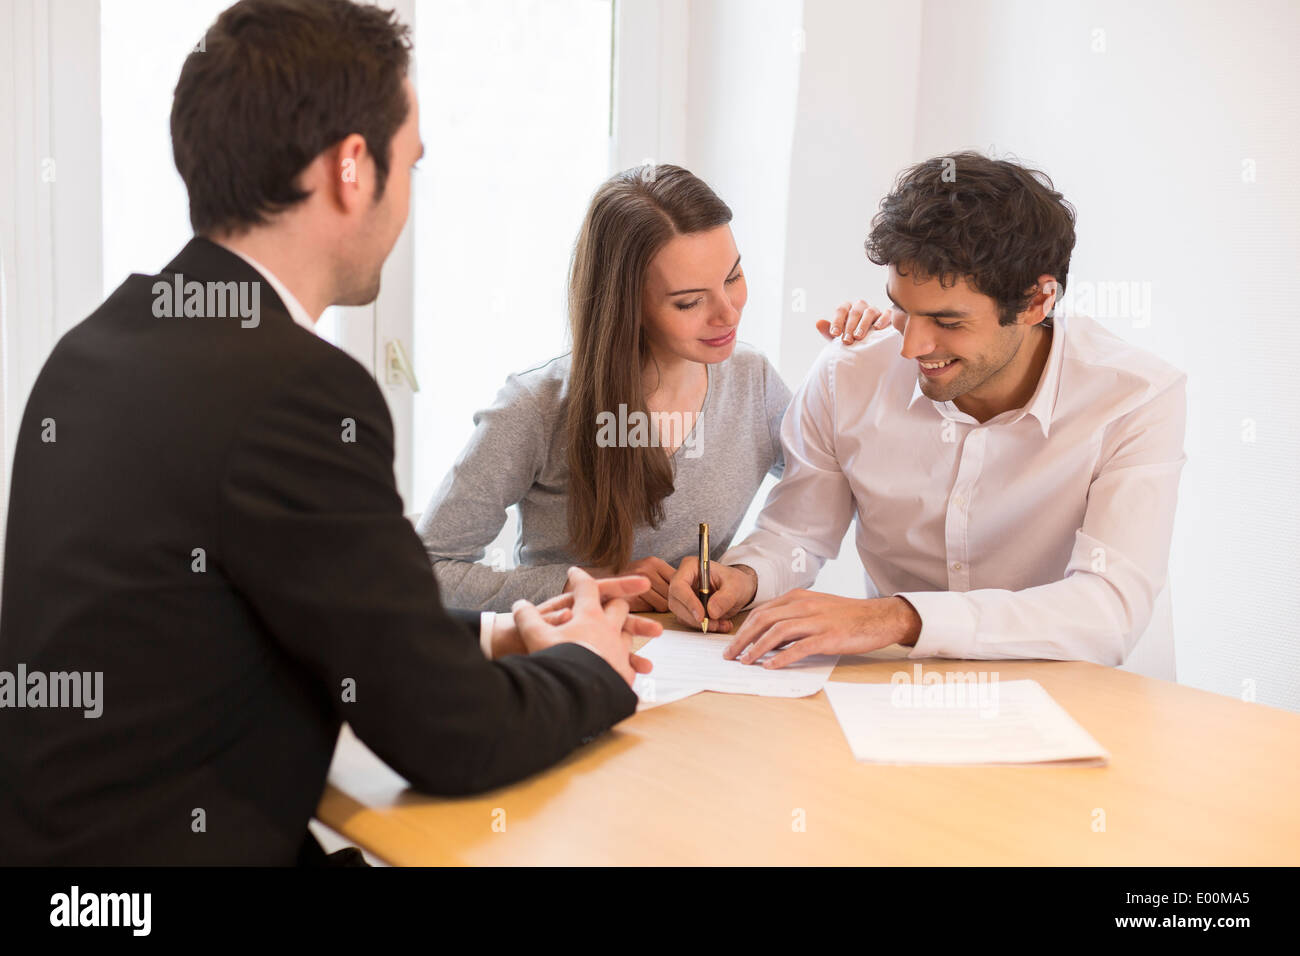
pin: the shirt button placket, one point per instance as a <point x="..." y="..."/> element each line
<point x="958" y="523"/>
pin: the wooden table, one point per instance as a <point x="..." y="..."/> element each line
<point x="1194" y="778"/>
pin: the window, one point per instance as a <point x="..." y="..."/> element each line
<point x="514" y="113"/>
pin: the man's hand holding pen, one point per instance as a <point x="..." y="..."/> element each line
<point x="797" y="623"/>
<point x="733" y="588"/>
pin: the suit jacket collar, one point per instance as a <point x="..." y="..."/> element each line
<point x="204" y="260"/>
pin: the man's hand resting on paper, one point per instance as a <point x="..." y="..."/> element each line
<point x="809" y="622"/>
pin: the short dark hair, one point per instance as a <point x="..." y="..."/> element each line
<point x="272" y="85"/>
<point x="996" y="223"/>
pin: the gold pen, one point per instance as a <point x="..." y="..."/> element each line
<point x="705" y="590"/>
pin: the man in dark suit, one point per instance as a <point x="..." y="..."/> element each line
<point x="203" y="511"/>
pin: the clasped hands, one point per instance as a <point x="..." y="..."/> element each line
<point x="589" y="612"/>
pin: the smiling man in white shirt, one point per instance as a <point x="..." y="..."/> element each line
<point x="1013" y="474"/>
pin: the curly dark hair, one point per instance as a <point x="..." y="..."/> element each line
<point x="996" y="223"/>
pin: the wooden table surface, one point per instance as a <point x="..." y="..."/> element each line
<point x="1195" y="778"/>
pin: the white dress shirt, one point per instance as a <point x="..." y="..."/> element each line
<point x="1042" y="533"/>
<point x="296" y="310"/>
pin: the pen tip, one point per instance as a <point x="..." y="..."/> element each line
<point x="704" y="625"/>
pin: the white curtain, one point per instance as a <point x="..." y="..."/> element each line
<point x="50" y="236"/>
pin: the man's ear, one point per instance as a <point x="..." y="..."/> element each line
<point x="352" y="173"/>
<point x="1046" y="292"/>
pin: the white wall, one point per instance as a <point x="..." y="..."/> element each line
<point x="742" y="84"/>
<point x="854" y="129"/>
<point x="778" y="121"/>
<point x="514" y="115"/>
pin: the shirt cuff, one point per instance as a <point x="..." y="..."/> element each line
<point x="947" y="623"/>
<point x="765" y="588"/>
<point x="487" y="625"/>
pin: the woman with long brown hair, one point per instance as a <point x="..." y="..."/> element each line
<point x="657" y="420"/>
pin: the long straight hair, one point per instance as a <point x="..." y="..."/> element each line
<point x="615" y="490"/>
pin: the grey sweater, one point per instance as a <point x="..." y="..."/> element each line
<point x="517" y="456"/>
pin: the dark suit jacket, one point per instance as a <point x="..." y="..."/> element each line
<point x="224" y="687"/>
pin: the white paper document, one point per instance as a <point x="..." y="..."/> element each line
<point x="998" y="722"/>
<point x="686" y="663"/>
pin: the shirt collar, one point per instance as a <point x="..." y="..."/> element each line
<point x="296" y="310"/>
<point x="1043" y="403"/>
